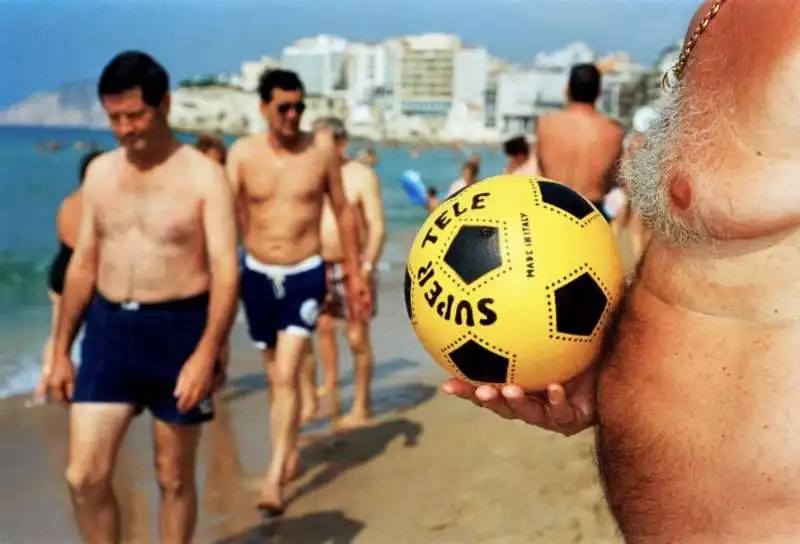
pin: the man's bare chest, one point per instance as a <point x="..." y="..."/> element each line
<point x="295" y="178"/>
<point x="165" y="216"/>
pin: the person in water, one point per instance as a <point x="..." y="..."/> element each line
<point x="67" y="221"/>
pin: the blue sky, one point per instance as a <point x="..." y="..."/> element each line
<point x="44" y="43"/>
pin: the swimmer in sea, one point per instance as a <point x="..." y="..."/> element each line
<point x="693" y="402"/>
<point x="67" y="221"/>
<point x="155" y="275"/>
<point x="579" y="146"/>
<point x="280" y="179"/>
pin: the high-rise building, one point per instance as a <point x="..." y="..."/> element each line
<point x="471" y="75"/>
<point x="251" y="71"/>
<point x="427" y="66"/>
<point x="321" y="63"/>
<point x="368" y="70"/>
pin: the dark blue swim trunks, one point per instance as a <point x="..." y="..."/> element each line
<point x="281" y="298"/>
<point x="132" y="353"/>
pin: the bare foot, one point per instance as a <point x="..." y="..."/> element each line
<point x="270" y="501"/>
<point x="353" y="420"/>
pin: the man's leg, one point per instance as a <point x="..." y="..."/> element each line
<point x="309" y="402"/>
<point x="95" y="434"/>
<point x="363" y="362"/>
<point x="175" y="461"/>
<point x="293" y="463"/>
<point x="328" y="352"/>
<point x="283" y="375"/>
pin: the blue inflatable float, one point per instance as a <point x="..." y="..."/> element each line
<point x="415" y="190"/>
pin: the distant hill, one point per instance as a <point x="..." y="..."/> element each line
<point x="74" y="104"/>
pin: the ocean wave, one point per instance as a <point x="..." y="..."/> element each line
<point x="22" y="377"/>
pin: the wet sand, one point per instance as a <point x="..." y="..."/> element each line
<point x="430" y="469"/>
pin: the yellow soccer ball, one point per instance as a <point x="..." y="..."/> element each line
<point x="514" y="279"/>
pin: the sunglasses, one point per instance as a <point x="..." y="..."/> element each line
<point x="298" y="107"/>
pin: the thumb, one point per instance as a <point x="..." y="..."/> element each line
<point x="178" y="391"/>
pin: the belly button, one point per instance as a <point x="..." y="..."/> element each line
<point x="680" y="193"/>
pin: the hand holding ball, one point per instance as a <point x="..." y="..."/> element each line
<point x="513" y="280"/>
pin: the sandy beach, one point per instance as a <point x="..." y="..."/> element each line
<point x="430" y="469"/>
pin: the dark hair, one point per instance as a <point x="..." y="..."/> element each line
<point x="432" y="191"/>
<point x="205" y="142"/>
<point x="471" y="166"/>
<point x="83" y="165"/>
<point x="584" y="83"/>
<point x="285" y="80"/>
<point x="517" y="145"/>
<point x="134" y="69"/>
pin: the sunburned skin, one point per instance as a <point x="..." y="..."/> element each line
<point x="698" y="435"/>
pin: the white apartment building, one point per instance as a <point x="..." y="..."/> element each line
<point x="321" y="63"/>
<point x="250" y="72"/>
<point x="427" y="67"/>
<point x="471" y="75"/>
<point x="563" y="59"/>
<point x="368" y="69"/>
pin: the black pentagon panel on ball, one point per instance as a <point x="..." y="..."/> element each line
<point x="407" y="295"/>
<point x="478" y="363"/>
<point x="580" y="304"/>
<point x="474" y="252"/>
<point x="565" y="199"/>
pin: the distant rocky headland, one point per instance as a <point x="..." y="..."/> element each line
<point x="73" y="105"/>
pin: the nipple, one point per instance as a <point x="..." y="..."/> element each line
<point x="680" y="193"/>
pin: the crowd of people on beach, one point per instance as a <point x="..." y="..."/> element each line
<point x="161" y="241"/>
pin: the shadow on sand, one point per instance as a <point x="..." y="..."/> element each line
<point x="246" y="384"/>
<point x="328" y="527"/>
<point x="326" y="459"/>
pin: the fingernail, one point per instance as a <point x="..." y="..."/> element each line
<point x="447" y="388"/>
<point x="511" y="392"/>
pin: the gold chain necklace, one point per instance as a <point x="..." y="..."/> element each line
<point x="672" y="76"/>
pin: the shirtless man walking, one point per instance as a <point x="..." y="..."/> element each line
<point x="363" y="193"/>
<point x="155" y="271"/>
<point x="578" y="146"/>
<point x="280" y="180"/>
<point x="695" y="403"/>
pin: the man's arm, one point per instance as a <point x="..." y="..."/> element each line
<point x="219" y="224"/>
<point x="233" y="171"/>
<point x="372" y="206"/>
<point x="81" y="274"/>
<point x="341" y="208"/>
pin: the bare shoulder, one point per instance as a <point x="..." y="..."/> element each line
<point x="243" y="146"/>
<point x="359" y="174"/>
<point x="206" y="174"/>
<point x="101" y="172"/>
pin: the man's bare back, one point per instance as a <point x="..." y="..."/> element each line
<point x="579" y="147"/>
<point x="281" y="197"/>
<point x="151" y="243"/>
